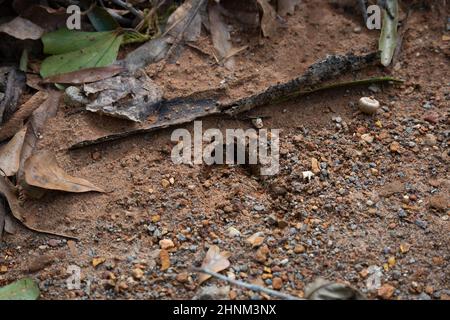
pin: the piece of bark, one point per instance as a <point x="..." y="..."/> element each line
<point x="14" y="124"/>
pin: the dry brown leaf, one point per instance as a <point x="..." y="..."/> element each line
<point x="286" y="7"/>
<point x="220" y="35"/>
<point x="85" y="75"/>
<point x="47" y="18"/>
<point x="35" y="125"/>
<point x="35" y="81"/>
<point x="22" y="29"/>
<point x="215" y="261"/>
<point x="10" y="154"/>
<point x="10" y="193"/>
<point x="42" y="170"/>
<point x="176" y="22"/>
<point x="165" y="259"/>
<point x="269" y="19"/>
<point x="14" y="124"/>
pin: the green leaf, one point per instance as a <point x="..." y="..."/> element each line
<point x="102" y="20"/>
<point x="389" y="35"/>
<point x="65" y="40"/>
<point x="23" y="289"/>
<point x="101" y="51"/>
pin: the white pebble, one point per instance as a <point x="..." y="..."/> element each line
<point x="368" y="105"/>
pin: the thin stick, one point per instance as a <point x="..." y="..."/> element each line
<point x="252" y="287"/>
<point x="128" y="6"/>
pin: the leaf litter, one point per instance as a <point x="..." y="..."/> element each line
<point x="215" y="260"/>
<point x="42" y="170"/>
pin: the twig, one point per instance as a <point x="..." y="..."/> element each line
<point x="128" y="6"/>
<point x="252" y="287"/>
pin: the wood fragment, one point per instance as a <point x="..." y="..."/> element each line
<point x="180" y="111"/>
<point x="14" y="124"/>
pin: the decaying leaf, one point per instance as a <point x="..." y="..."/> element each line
<point x="45" y="17"/>
<point x="124" y="97"/>
<point x="15" y="85"/>
<point x="322" y="289"/>
<point x="389" y="34"/>
<point x="101" y="19"/>
<point x="85" y="75"/>
<point x="10" y="154"/>
<point x="269" y="19"/>
<point x="75" y="50"/>
<point x="23" y="289"/>
<point x="178" y="19"/>
<point x="14" y="124"/>
<point x="215" y="261"/>
<point x="42" y="170"/>
<point x="220" y="35"/>
<point x="286" y="7"/>
<point x="35" y="125"/>
<point x="22" y="29"/>
<point x="10" y="193"/>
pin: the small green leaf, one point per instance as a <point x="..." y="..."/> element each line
<point x="65" y="40"/>
<point x="23" y="289"/>
<point x="101" y="52"/>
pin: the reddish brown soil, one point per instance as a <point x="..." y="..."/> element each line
<point x="347" y="219"/>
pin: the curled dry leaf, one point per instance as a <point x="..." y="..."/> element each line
<point x="269" y="19"/>
<point x="85" y="75"/>
<point x="14" y="124"/>
<point x="215" y="261"/>
<point x="286" y="7"/>
<point x="42" y="170"/>
<point x="22" y="29"/>
<point x="10" y="154"/>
